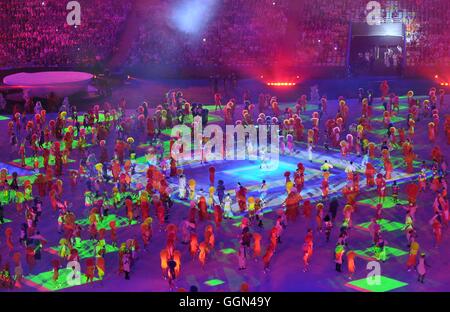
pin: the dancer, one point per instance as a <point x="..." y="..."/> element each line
<point x="351" y="263"/>
<point x="339" y="255"/>
<point x="422" y="268"/>
<point x="307" y="250"/>
<point x="90" y="270"/>
<point x="256" y="246"/>
<point x="437" y="229"/>
<point x="242" y="257"/>
<point x="202" y="254"/>
<point x="413" y="251"/>
<point x="268" y="257"/>
<point x="381" y="188"/>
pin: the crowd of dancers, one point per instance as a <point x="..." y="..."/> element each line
<point x="106" y="142"/>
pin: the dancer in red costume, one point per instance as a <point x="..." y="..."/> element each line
<point x="307" y="250"/>
<point x="412" y="190"/>
<point x="212" y="172"/>
<point x="268" y="257"/>
<point x="241" y="196"/>
<point x="146" y="234"/>
<point x="113" y="233"/>
<point x="381" y="187"/>
<point x="90" y="270"/>
<point x="202" y="206"/>
<point x="409" y="160"/>
<point x="55" y="265"/>
<point x="307" y="209"/>
<point x="388" y="168"/>
<point x="8" y="239"/>
<point x="292" y="203"/>
<point x="218" y="215"/>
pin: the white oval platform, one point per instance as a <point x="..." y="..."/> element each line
<point x="62" y="83"/>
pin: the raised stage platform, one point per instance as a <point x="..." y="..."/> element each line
<point x="40" y="84"/>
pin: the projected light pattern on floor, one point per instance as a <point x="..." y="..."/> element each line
<point x="104" y="224"/>
<point x="253" y="173"/>
<point x="386" y="225"/>
<point x="214" y="282"/>
<point x="388" y="202"/>
<point x="369" y="253"/>
<point x="21" y="179"/>
<point x="394" y="119"/>
<point x="44" y="281"/>
<point x="385" y="284"/>
<point x="86" y="249"/>
<point x="74" y="145"/>
<point x="399" y="162"/>
<point x="228" y="251"/>
<point x="381" y="132"/>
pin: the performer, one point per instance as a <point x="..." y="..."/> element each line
<point x="30" y="257"/>
<point x="202" y="254"/>
<point x="412" y="259"/>
<point x="381" y="188"/>
<point x="218" y="101"/>
<point x="307" y="250"/>
<point x="268" y="257"/>
<point x="326" y="166"/>
<point x="192" y="184"/>
<point x="220" y="191"/>
<point x="242" y="258"/>
<point x="241" y="197"/>
<point x="177" y="259"/>
<point x="388" y="168"/>
<point x="193" y="245"/>
<point x="181" y="185"/>
<point x="210" y="200"/>
<point x="146" y="233"/>
<point x="412" y="190"/>
<point x="437" y="229"/>
<point x="8" y="239"/>
<point x="351" y="263"/>
<point x="422" y="268"/>
<point x="380" y="249"/>
<point x="309" y="150"/>
<point x="256" y="245"/>
<point x="173" y="168"/>
<point x="100" y="265"/>
<point x="203" y="213"/>
<point x="164" y="256"/>
<point x="218" y="215"/>
<point x="90" y="270"/>
<point x="395" y="191"/>
<point x="227" y="207"/>
<point x="339" y="254"/>
<point x="209" y="238"/>
<point x="319" y="216"/>
<point x="307" y="209"/>
<point x="263" y="191"/>
<point x="212" y="172"/>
